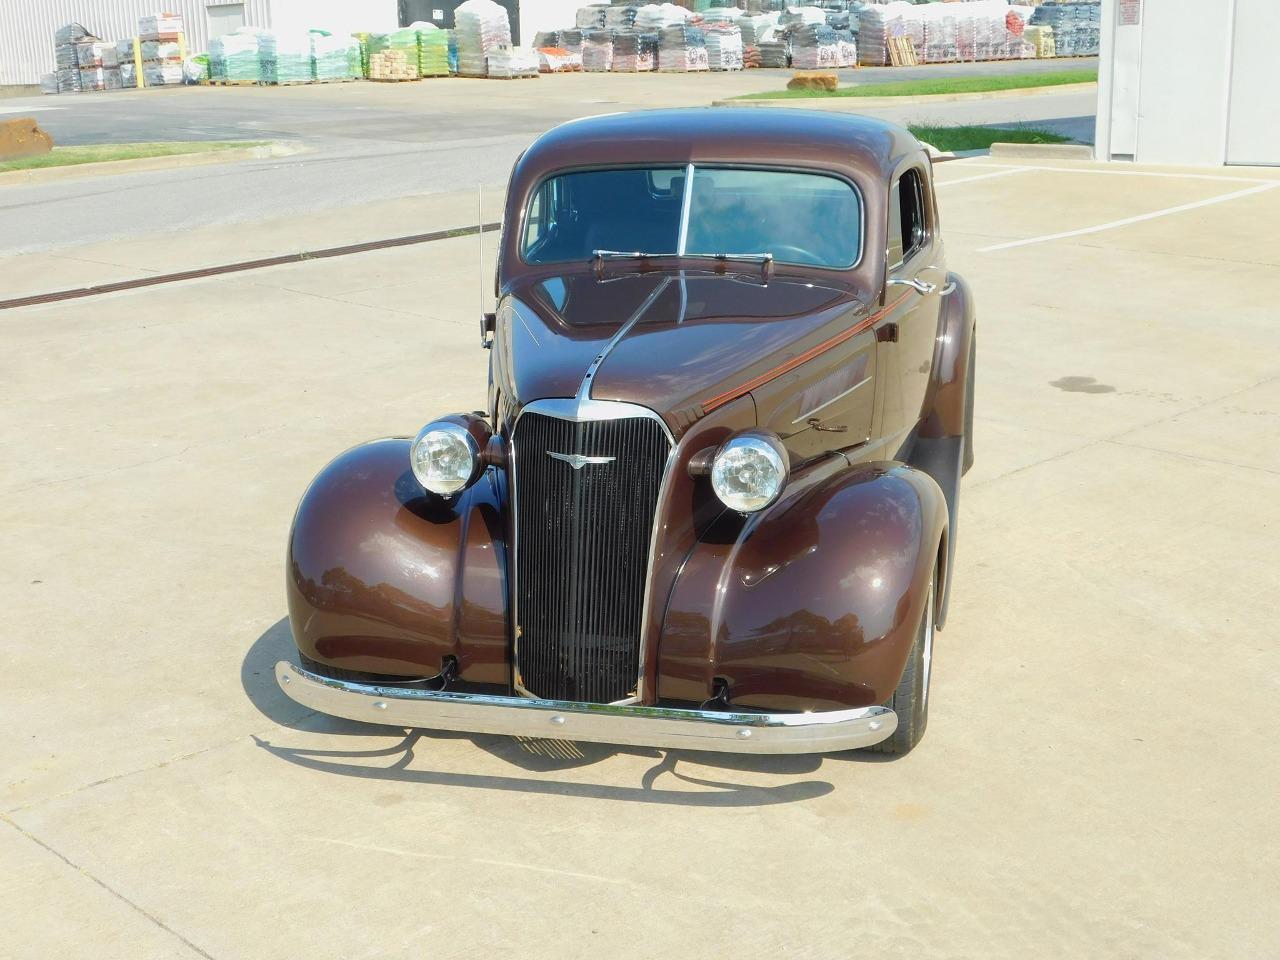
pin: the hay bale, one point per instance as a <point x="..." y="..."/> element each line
<point x="23" y="138"/>
<point x="813" y="80"/>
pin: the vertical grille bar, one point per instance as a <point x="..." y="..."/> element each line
<point x="582" y="552"/>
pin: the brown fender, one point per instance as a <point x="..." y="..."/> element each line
<point x="943" y="446"/>
<point x="946" y="409"/>
<point x="384" y="579"/>
<point x="814" y="603"/>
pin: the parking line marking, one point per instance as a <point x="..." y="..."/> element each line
<point x="981" y="176"/>
<point x="1155" y="214"/>
<point x="1123" y="173"/>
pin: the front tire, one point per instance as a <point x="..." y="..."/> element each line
<point x="910" y="701"/>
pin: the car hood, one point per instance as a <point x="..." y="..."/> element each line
<point x="695" y="335"/>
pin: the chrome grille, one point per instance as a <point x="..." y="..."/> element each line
<point x="582" y="552"/>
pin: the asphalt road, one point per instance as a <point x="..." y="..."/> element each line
<point x="365" y="143"/>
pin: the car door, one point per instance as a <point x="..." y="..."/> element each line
<point x="908" y="333"/>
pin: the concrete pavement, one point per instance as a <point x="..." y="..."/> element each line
<point x="1096" y="779"/>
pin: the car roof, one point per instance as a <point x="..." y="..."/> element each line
<point x="846" y="142"/>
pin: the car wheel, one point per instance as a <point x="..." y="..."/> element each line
<point x="910" y="701"/>
<point x="968" y="406"/>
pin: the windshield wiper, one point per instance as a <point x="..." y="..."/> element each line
<point x="600" y="257"/>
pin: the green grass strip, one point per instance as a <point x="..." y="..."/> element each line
<point x="921" y="88"/>
<point x="981" y="138"/>
<point x="102" y="152"/>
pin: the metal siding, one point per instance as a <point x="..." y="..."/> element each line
<point x="27" y="27"/>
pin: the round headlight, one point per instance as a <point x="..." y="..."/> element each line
<point x="748" y="473"/>
<point x="444" y="457"/>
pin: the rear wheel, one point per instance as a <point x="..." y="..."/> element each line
<point x="910" y="701"/>
<point x="968" y="406"/>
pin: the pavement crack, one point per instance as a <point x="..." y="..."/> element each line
<point x="132" y="904"/>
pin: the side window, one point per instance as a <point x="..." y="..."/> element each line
<point x="907" y="229"/>
<point x="540" y="219"/>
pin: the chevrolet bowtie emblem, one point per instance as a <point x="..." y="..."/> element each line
<point x="577" y="460"/>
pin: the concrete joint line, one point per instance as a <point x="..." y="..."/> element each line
<point x="115" y="893"/>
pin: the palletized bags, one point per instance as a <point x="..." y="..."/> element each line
<point x="481" y="27"/>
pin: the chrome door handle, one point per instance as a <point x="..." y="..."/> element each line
<point x="923" y="287"/>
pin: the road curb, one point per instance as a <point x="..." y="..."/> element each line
<point x="15" y="178"/>
<point x="853" y="104"/>
<point x="1043" y="151"/>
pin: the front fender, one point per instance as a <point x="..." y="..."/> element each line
<point x="384" y="579"/>
<point x="816" y="602"/>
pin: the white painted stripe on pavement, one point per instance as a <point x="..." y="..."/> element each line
<point x="1110" y="171"/>
<point x="28" y="109"/>
<point x="1168" y="211"/>
<point x="981" y="176"/>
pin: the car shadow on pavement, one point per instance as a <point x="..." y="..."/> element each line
<point x="529" y="754"/>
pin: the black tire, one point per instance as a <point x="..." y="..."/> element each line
<point x="910" y="701"/>
<point x="968" y="406"/>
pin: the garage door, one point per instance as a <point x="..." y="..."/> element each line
<point x="1253" y="133"/>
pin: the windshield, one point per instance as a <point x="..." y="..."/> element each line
<point x="803" y="218"/>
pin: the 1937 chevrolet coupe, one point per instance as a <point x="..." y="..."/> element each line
<point x="712" y="503"/>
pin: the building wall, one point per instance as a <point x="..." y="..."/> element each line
<point x="336" y="16"/>
<point x="1181" y="85"/>
<point x="27" y="26"/>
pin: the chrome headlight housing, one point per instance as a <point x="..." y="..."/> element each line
<point x="749" y="471"/>
<point x="445" y="457"/>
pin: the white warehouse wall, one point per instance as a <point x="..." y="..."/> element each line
<point x="27" y="26"/>
<point x="1185" y="80"/>
<point x="336" y="16"/>
<point x="1190" y="84"/>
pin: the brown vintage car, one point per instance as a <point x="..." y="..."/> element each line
<point x="712" y="503"/>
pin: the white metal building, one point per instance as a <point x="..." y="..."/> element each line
<point x="1189" y="81"/>
<point x="27" y="26"/>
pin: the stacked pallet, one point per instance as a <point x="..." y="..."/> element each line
<point x="98" y="64"/>
<point x="846" y="48"/>
<point x="571" y="40"/>
<point x="1041" y="39"/>
<point x="233" y="57"/>
<point x="334" y="57"/>
<point x="656" y="17"/>
<point x="635" y="52"/>
<point x="813" y="47"/>
<point x="758" y="28"/>
<point x="160" y="36"/>
<point x="1075" y="26"/>
<point x="505" y="62"/>
<point x="724" y="46"/>
<point x="597" y="51"/>
<point x="594" y="16"/>
<point x="682" y="49"/>
<point x="482" y="27"/>
<point x="66" y="58"/>
<point x="775" y="53"/>
<point x="284" y="58"/>
<point x="433" y="51"/>
<point x="391" y="65"/>
<point x="126" y="53"/>
<point x="556" y="60"/>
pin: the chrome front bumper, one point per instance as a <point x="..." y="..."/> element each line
<point x="597" y="723"/>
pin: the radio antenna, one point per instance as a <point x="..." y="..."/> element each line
<point x="480" y="239"/>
